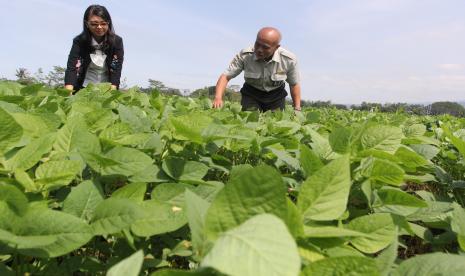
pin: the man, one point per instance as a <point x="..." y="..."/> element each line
<point x="266" y="66"/>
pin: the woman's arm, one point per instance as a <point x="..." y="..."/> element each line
<point x="72" y="65"/>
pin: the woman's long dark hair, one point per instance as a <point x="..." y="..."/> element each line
<point x="86" y="35"/>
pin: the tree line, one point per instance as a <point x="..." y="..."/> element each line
<point x="436" y="108"/>
<point x="55" y="78"/>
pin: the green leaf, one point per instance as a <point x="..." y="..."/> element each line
<point x="151" y="173"/>
<point x="342" y="250"/>
<point x="294" y="220"/>
<point x="99" y="119"/>
<point x="190" y="127"/>
<point x="44" y="233"/>
<point x="380" y="228"/>
<point x="433" y="264"/>
<point x="26" y="182"/>
<point x="340" y="139"/>
<point x="32" y="89"/>
<point x="75" y="137"/>
<point x="54" y="174"/>
<point x="172" y="193"/>
<point x="436" y="211"/>
<point x="415" y="130"/>
<point x="182" y="170"/>
<point x="427" y="151"/>
<point x="258" y="190"/>
<point x="83" y="200"/>
<point x="203" y="271"/>
<point x="158" y="218"/>
<point x="238" y="170"/>
<point x="385" y="260"/>
<point x="116" y="132"/>
<point x="260" y="246"/>
<point x="284" y="158"/>
<point x="309" y="161"/>
<point x="10" y="132"/>
<point x="330" y="232"/>
<point x="134" y="191"/>
<point x="28" y="156"/>
<point x="398" y="197"/>
<point x="115" y="214"/>
<point x="196" y="211"/>
<point x="13" y="198"/>
<point x="33" y="126"/>
<point x="410" y="158"/>
<point x="458" y="224"/>
<point x="346" y="265"/>
<point x="129" y="161"/>
<point x="383" y="170"/>
<point x="10" y="88"/>
<point x="135" y="117"/>
<point x="384" y="138"/>
<point x="6" y="271"/>
<point x="98" y="162"/>
<point x="134" y="140"/>
<point x="130" y="266"/>
<point x="457" y="142"/>
<point x="321" y="146"/>
<point x="324" y="195"/>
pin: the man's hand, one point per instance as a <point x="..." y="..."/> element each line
<point x="69" y="87"/>
<point x="217" y="103"/>
<point x="113" y="87"/>
<point x="219" y="90"/>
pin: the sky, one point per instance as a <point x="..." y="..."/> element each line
<point x="348" y="51"/>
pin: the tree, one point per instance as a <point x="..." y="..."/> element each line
<point x="452" y="108"/>
<point x="162" y="88"/>
<point x="156" y="84"/>
<point x="209" y="91"/>
<point x="56" y="77"/>
<point x="24" y="77"/>
<point x="40" y="76"/>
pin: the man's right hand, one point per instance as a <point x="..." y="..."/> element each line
<point x="217" y="103"/>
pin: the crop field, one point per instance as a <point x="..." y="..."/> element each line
<point x="128" y="183"/>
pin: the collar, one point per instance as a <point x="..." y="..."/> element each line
<point x="276" y="55"/>
<point x="275" y="58"/>
<point x="95" y="43"/>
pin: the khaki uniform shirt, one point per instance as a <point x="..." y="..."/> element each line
<point x="265" y="75"/>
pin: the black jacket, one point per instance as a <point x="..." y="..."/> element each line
<point x="79" y="60"/>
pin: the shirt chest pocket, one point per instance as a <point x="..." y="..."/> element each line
<point x="252" y="75"/>
<point x="253" y="78"/>
<point x="278" y="77"/>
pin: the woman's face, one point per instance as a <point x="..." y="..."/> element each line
<point x="97" y="26"/>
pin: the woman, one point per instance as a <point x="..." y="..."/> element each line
<point x="97" y="53"/>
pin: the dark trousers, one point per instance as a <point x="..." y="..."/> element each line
<point x="255" y="99"/>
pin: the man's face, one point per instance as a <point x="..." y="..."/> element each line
<point x="264" y="48"/>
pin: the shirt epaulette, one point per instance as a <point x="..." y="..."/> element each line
<point x="248" y="50"/>
<point x="288" y="54"/>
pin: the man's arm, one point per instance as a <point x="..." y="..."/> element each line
<point x="295" y="94"/>
<point x="219" y="90"/>
<point x="235" y="68"/>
